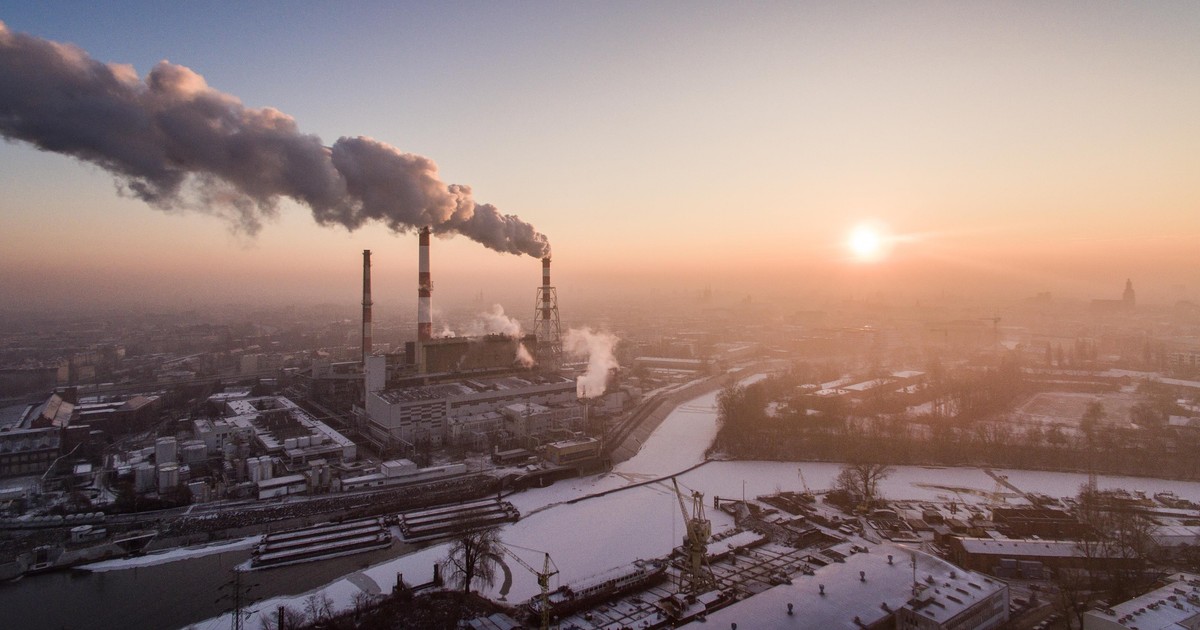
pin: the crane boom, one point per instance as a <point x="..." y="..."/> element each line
<point x="543" y="579"/>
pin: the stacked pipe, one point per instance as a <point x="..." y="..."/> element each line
<point x="424" y="291"/>
<point x="366" y="304"/>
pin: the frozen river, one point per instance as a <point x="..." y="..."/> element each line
<point x="587" y="525"/>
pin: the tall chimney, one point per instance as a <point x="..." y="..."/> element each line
<point x="424" y="291"/>
<point x="546" y="286"/>
<point x="366" y="304"/>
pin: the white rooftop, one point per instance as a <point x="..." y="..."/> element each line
<point x="1176" y="605"/>
<point x="884" y="589"/>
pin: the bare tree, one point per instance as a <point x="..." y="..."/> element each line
<point x="317" y="607"/>
<point x="290" y="619"/>
<point x="862" y="479"/>
<point x="1120" y="538"/>
<point x="473" y="556"/>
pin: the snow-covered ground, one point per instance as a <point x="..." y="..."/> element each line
<point x="171" y="555"/>
<point x="587" y="534"/>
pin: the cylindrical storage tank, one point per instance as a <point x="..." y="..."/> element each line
<point x="304" y="441"/>
<point x="168" y="477"/>
<point x="266" y="467"/>
<point x="253" y="471"/>
<point x="289" y="443"/>
<point x="194" y="452"/>
<point x="165" y="450"/>
<point x="143" y="477"/>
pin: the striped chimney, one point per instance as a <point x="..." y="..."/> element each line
<point x="366" y="304"/>
<point x="424" y="291"/>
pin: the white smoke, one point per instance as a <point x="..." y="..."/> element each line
<point x="446" y="331"/>
<point x="523" y="357"/>
<point x="597" y="347"/>
<point x="174" y="142"/>
<point x="494" y="322"/>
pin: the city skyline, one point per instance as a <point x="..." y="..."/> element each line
<point x="1007" y="150"/>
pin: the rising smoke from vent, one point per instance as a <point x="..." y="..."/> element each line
<point x="524" y="359"/>
<point x="494" y="322"/>
<point x="176" y="143"/>
<point x="597" y="348"/>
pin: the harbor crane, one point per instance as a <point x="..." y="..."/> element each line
<point x="543" y="579"/>
<point x="697" y="576"/>
<point x="808" y="494"/>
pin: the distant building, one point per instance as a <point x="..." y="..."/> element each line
<point x="1173" y="606"/>
<point x="283" y="429"/>
<point x="995" y="556"/>
<point x="467" y="354"/>
<point x="455" y="410"/>
<point x="876" y="590"/>
<point x="568" y="452"/>
<point x="28" y="451"/>
<point x="1127" y="302"/>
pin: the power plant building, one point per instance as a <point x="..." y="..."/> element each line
<point x="283" y="429"/>
<point x="470" y="408"/>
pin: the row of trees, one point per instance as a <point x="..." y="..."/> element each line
<point x="972" y="430"/>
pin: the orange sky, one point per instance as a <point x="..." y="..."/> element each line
<point x="1011" y="148"/>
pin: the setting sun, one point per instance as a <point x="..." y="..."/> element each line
<point x="866" y="242"/>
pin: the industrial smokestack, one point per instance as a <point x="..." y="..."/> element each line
<point x="176" y="143"/>
<point x="424" y="291"/>
<point x="546" y="285"/>
<point x="366" y="304"/>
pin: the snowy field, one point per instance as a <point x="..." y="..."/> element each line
<point x="596" y="533"/>
<point x="1067" y="408"/>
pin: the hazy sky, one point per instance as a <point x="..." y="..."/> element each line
<point x="1008" y="146"/>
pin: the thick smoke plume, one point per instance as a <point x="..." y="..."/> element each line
<point x="597" y="348"/>
<point x="176" y="143"/>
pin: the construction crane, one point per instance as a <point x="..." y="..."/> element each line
<point x="808" y="495"/>
<point x="697" y="576"/>
<point x="543" y="579"/>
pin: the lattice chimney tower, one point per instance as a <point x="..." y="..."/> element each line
<point x="546" y="323"/>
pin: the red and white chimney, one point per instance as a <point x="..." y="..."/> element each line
<point x="424" y="291"/>
<point x="366" y="304"/>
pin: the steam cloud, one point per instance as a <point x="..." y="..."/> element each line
<point x="524" y="359"/>
<point x="495" y="322"/>
<point x="597" y="348"/>
<point x="176" y="143"/>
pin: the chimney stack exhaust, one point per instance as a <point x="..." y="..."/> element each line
<point x="366" y="304"/>
<point x="424" y="291"/>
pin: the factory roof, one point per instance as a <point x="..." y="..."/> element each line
<point x="247" y="412"/>
<point x="1175" y="605"/>
<point x="526" y="409"/>
<point x="281" y="481"/>
<point x="1029" y="547"/>
<point x="469" y="387"/>
<point x="850" y="601"/>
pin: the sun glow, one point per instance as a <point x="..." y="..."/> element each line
<point x="866" y="242"/>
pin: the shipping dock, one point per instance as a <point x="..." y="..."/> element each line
<point x="442" y="522"/>
<point x="320" y="542"/>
